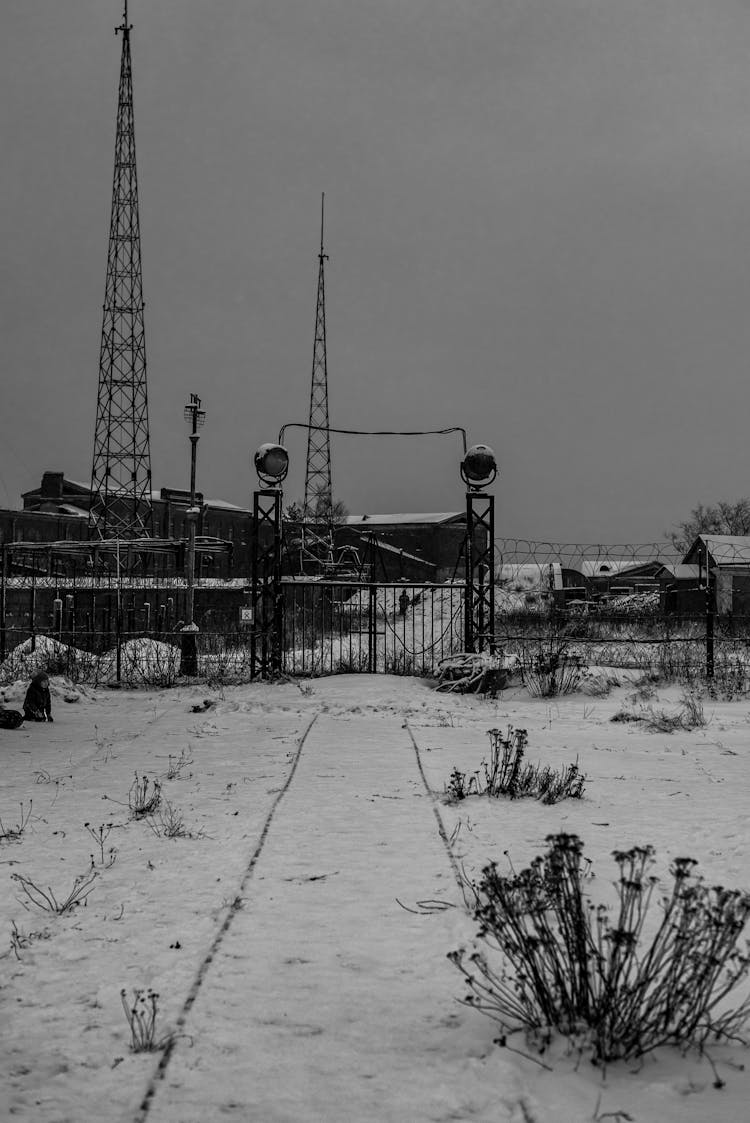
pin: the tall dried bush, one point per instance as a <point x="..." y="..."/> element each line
<point x="549" y="959"/>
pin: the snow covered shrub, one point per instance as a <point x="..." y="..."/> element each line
<point x="15" y="833"/>
<point x="405" y="663"/>
<point x="176" y="765"/>
<point x="549" y="668"/>
<point x="506" y="775"/>
<point x="169" y="822"/>
<point x="624" y="714"/>
<point x="690" y="715"/>
<point x="565" y="965"/>
<point x="693" y="716"/>
<point x="146" y="662"/>
<point x="460" y="786"/>
<point x="351" y="663"/>
<point x="225" y="659"/>
<point x="681" y="660"/>
<point x="100" y="835"/>
<point x="21" y="941"/>
<point x="597" y="683"/>
<point x="45" y="899"/>
<point x="144" y="796"/>
<point x="645" y="687"/>
<point x="731" y="679"/>
<point x="142" y="1021"/>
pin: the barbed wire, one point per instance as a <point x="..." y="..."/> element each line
<point x="520" y="551"/>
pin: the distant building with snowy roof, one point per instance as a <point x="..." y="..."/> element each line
<point x="725" y="558"/>
<point x="437" y="539"/>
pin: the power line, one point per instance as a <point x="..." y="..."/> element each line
<point x="376" y="432"/>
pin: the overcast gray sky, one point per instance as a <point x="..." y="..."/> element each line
<point x="538" y="221"/>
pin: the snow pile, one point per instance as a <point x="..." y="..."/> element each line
<point x="48" y="655"/>
<point x="143" y="662"/>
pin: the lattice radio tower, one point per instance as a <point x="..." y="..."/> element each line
<point x="121" y="472"/>
<point x="316" y="511"/>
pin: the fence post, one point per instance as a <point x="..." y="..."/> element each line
<point x="709" y="629"/>
<point x="372" y="630"/>
<point x="118" y="643"/>
<point x="32" y="607"/>
<point x="3" y="576"/>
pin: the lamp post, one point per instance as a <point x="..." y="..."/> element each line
<point x="195" y="417"/>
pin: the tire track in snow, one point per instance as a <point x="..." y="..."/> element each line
<point x="327" y="1001"/>
<point x="218" y="939"/>
<point x="440" y="825"/>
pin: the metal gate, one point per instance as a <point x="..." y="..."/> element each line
<point x="334" y="627"/>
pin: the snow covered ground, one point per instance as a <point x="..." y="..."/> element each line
<point x="282" y="930"/>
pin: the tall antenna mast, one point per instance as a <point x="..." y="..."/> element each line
<point x="318" y="495"/>
<point x="121" y="471"/>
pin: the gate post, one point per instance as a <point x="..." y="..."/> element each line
<point x="372" y="629"/>
<point x="478" y="470"/>
<point x="272" y="465"/>
<point x="710" y="610"/>
<point x="265" y="639"/>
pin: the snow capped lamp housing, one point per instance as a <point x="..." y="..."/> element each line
<point x="479" y="467"/>
<point x="272" y="464"/>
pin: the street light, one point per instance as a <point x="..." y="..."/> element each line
<point x="195" y="417"/>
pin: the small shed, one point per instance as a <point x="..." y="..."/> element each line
<point x="606" y="576"/>
<point x="726" y="560"/>
<point x="680" y="589"/>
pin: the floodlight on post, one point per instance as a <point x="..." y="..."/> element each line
<point x="478" y="471"/>
<point x="479" y="467"/>
<point x="271" y="462"/>
<point x="195" y="417"/>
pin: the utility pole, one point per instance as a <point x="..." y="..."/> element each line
<point x="121" y="469"/>
<point x="195" y="417"/>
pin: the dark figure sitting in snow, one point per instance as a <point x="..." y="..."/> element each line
<point x="37" y="704"/>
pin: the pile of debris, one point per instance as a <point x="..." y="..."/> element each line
<point x="471" y="673"/>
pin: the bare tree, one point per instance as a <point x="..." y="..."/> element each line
<point x="719" y="518"/>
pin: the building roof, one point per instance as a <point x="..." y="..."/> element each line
<point x="72" y="488"/>
<point x="68" y="485"/>
<point x="724" y="549"/>
<point x="404" y="520"/>
<point x="224" y="505"/>
<point x="608" y="567"/>
<point x="679" y="572"/>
